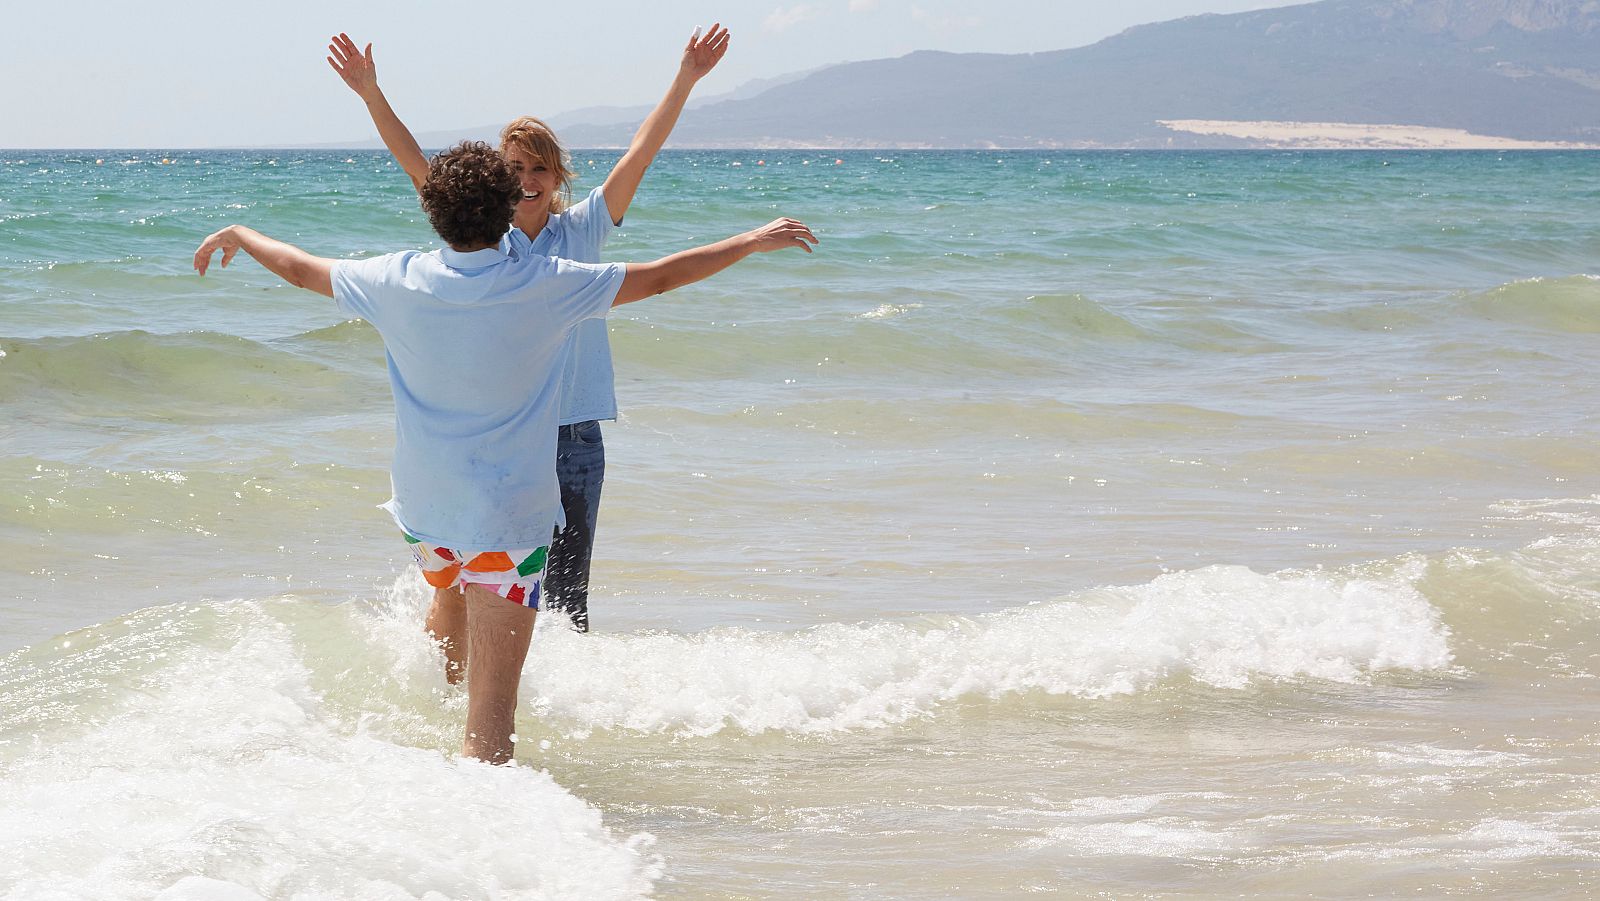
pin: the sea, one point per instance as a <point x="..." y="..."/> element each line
<point x="1071" y="524"/>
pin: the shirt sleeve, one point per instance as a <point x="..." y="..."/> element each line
<point x="356" y="284"/>
<point x="591" y="220"/>
<point x="579" y="291"/>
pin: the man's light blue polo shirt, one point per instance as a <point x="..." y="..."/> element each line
<point x="588" y="382"/>
<point x="473" y="342"/>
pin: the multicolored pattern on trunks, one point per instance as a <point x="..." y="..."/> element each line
<point x="514" y="575"/>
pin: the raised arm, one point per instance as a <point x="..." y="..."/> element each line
<point x="359" y="72"/>
<point x="286" y="261"/>
<point x="689" y="266"/>
<point x="699" y="57"/>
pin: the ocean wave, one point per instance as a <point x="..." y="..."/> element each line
<point x="896" y="344"/>
<point x="920" y="332"/>
<point x="240" y="492"/>
<point x="189" y="377"/>
<point x="1223" y="626"/>
<point x="349" y="333"/>
<point x="1381" y="316"/>
<point x="1570" y="304"/>
<point x="894" y="420"/>
<point x="198" y="756"/>
<point x="1062" y="315"/>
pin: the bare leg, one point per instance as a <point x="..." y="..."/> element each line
<point x="447" y="623"/>
<point x="498" y="631"/>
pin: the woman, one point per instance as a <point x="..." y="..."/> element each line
<point x="545" y="224"/>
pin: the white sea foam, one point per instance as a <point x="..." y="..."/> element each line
<point x="1414" y="756"/>
<point x="223" y="775"/>
<point x="1503" y="839"/>
<point x="1223" y="626"/>
<point x="1160" y="837"/>
<point x="887" y="310"/>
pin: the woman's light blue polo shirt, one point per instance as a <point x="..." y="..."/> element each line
<point x="588" y="381"/>
<point x="474" y="342"/>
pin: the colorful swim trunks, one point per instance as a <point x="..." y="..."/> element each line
<point x="514" y="575"/>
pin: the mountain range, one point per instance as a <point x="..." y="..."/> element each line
<point x="1515" y="69"/>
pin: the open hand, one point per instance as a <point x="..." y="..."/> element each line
<point x="781" y="233"/>
<point x="703" y="53"/>
<point x="354" y="66"/>
<point x="224" y="240"/>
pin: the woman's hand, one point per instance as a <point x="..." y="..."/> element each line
<point x="354" y="66"/>
<point x="703" y="53"/>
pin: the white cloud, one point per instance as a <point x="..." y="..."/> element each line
<point x="938" y="22"/>
<point x="863" y="6"/>
<point x="783" y="19"/>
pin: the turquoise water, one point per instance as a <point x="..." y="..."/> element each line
<point x="1070" y="523"/>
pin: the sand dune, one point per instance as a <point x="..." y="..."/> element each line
<point x="1356" y="136"/>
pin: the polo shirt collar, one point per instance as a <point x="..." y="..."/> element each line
<point x="476" y="259"/>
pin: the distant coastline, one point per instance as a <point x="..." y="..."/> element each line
<point x="1358" y="136"/>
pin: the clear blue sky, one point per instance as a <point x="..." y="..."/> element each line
<point x="181" y="73"/>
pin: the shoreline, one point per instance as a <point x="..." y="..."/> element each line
<point x="1287" y="135"/>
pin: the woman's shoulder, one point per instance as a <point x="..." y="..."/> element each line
<point x="584" y="209"/>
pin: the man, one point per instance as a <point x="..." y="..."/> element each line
<point x="546" y="222"/>
<point x="473" y="336"/>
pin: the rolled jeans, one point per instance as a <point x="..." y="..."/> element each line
<point x="581" y="469"/>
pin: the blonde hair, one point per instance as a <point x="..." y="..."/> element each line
<point x="533" y="137"/>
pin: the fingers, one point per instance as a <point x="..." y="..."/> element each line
<point x="787" y="232"/>
<point x="714" y="42"/>
<point x="803" y="234"/>
<point x="202" y="257"/>
<point x="213" y="242"/>
<point x="804" y="237"/>
<point x="344" y="53"/>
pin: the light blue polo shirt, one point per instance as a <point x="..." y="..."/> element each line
<point x="473" y="343"/>
<point x="588" y="381"/>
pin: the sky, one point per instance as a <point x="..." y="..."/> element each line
<point x="185" y="74"/>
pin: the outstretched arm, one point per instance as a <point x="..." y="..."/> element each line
<point x="689" y="266"/>
<point x="286" y="261"/>
<point x="699" y="57"/>
<point x="359" y="72"/>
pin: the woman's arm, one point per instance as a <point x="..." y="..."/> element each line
<point x="359" y="72"/>
<point x="699" y="58"/>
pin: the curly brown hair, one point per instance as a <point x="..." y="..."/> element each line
<point x="470" y="195"/>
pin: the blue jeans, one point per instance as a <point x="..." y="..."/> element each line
<point x="581" y="469"/>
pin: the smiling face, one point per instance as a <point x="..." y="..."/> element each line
<point x="539" y="183"/>
<point x="541" y="165"/>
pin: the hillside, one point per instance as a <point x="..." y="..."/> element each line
<point x="1524" y="69"/>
